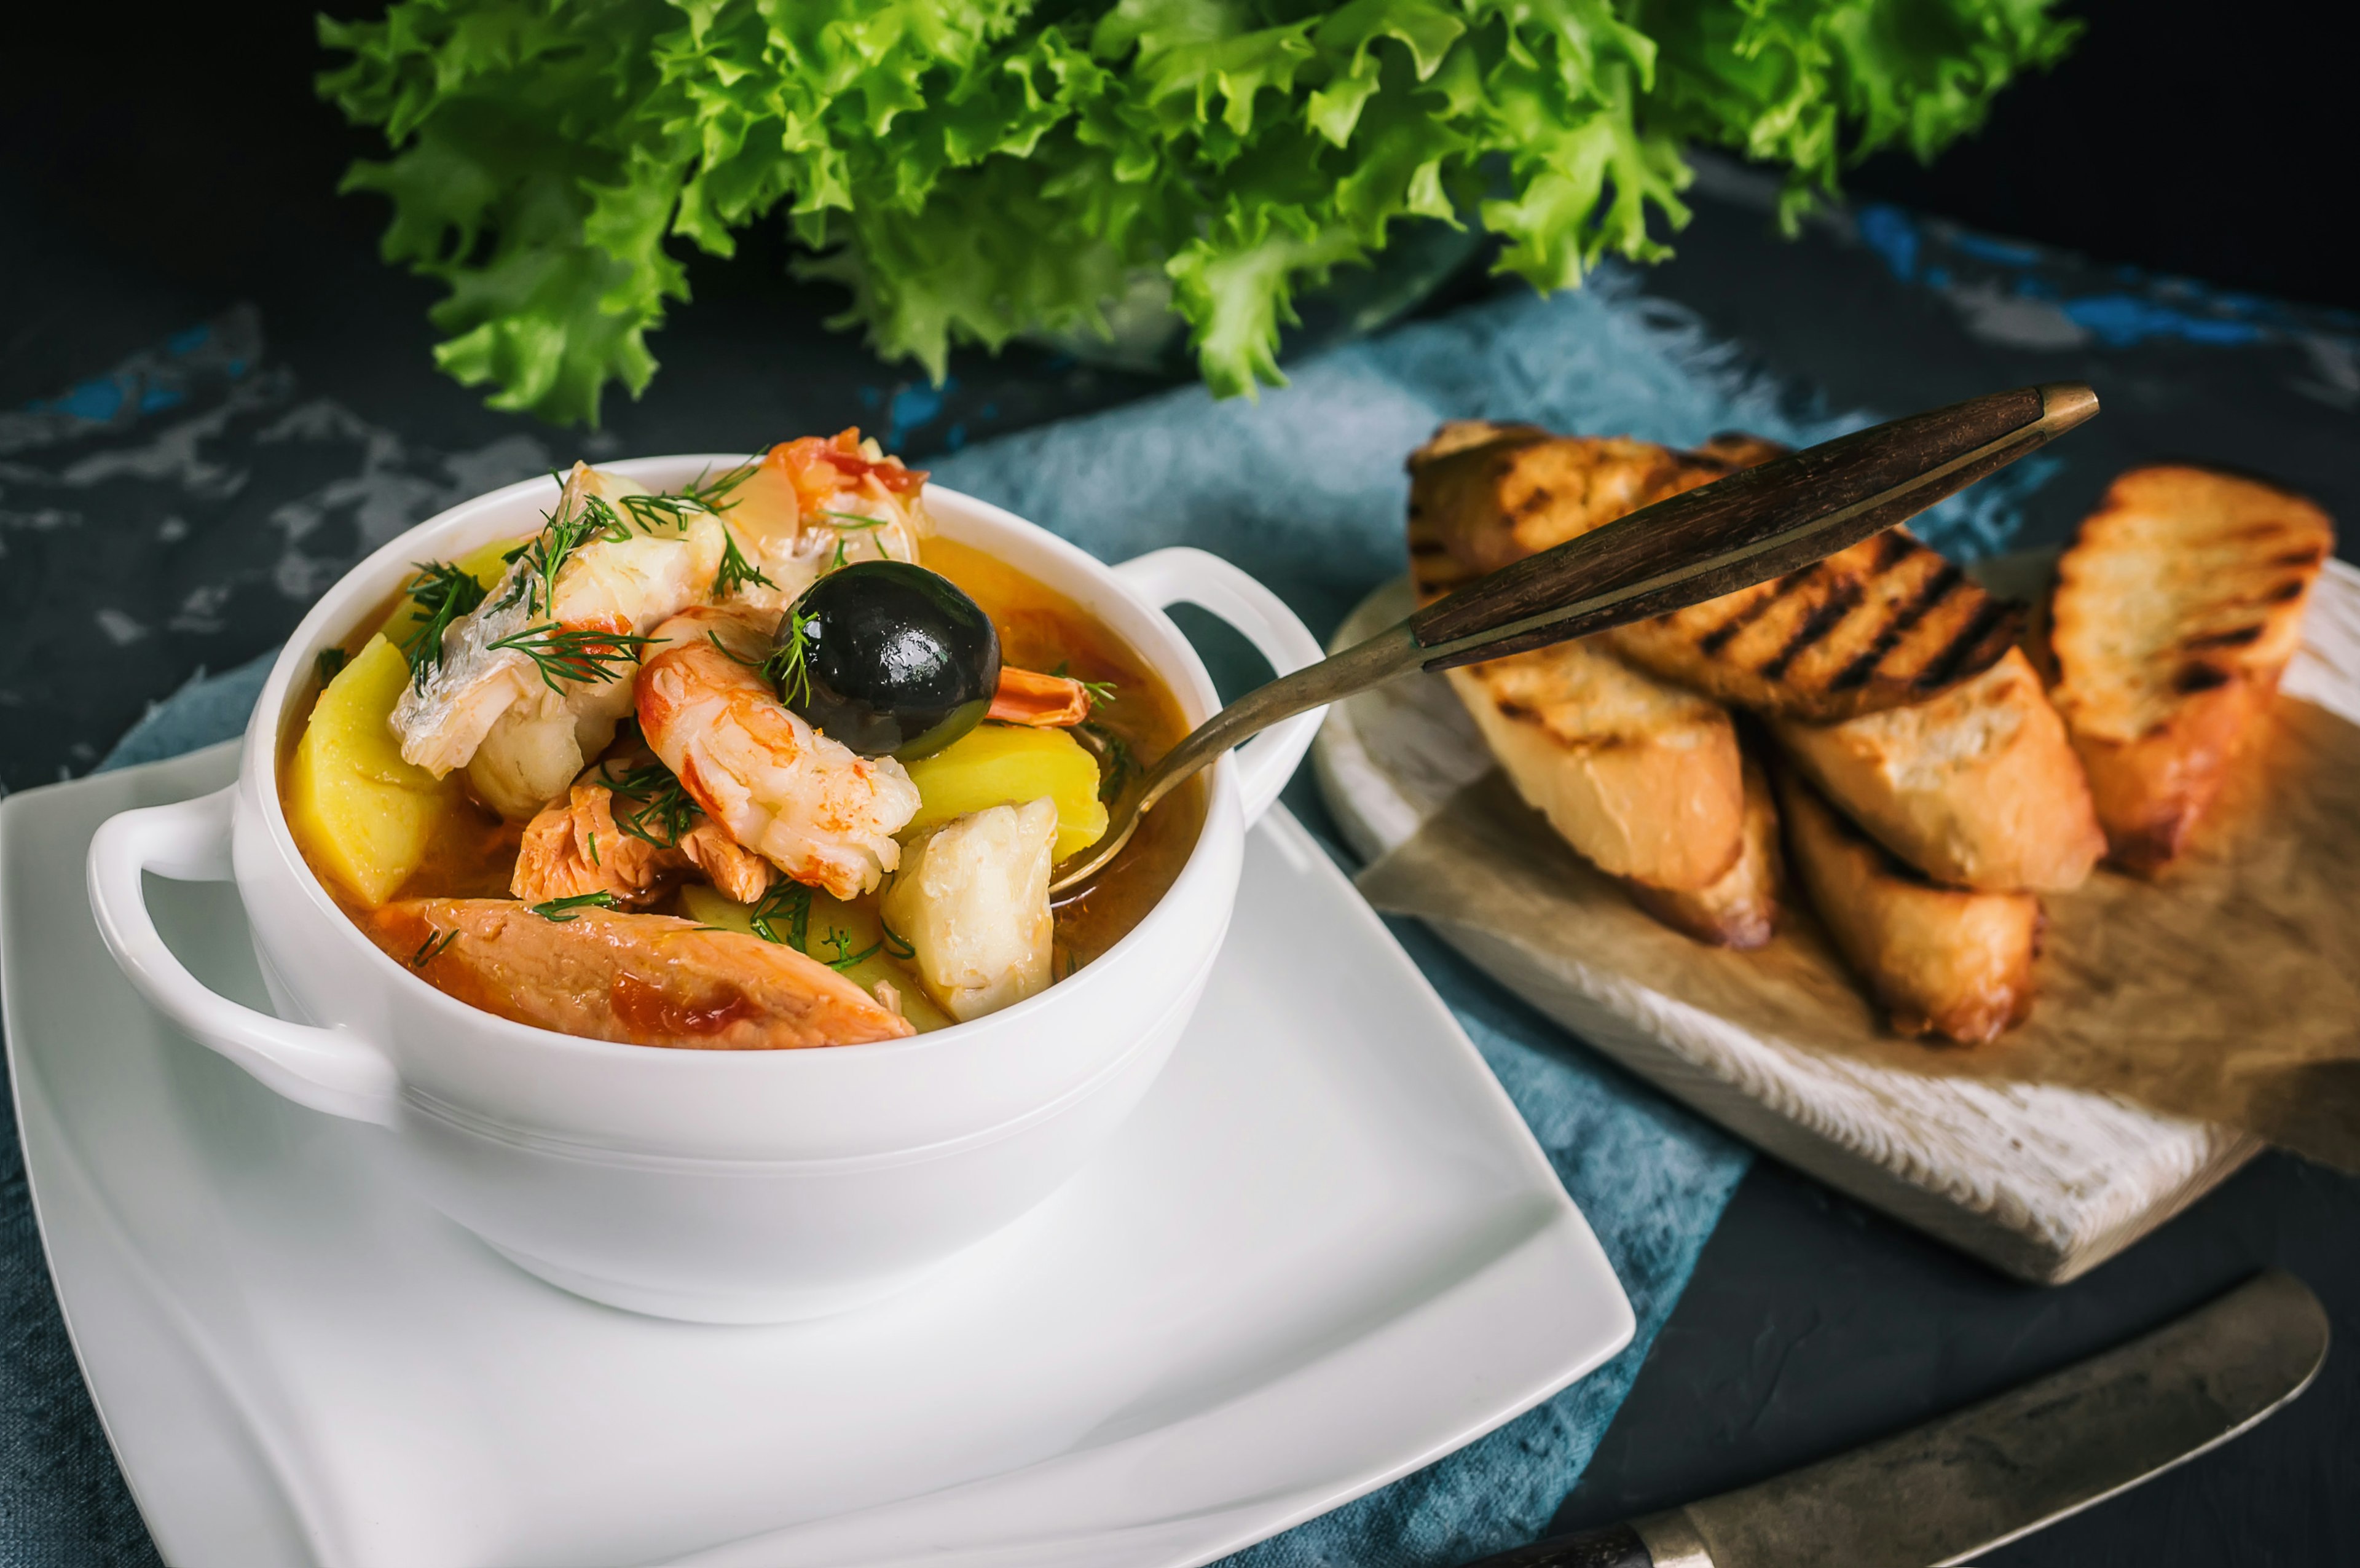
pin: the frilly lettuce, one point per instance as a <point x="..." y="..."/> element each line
<point x="970" y="169"/>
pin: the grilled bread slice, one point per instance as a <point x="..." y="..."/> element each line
<point x="1940" y="961"/>
<point x="2174" y="613"/>
<point x="1639" y="776"/>
<point x="1740" y="909"/>
<point x="1978" y="787"/>
<point x="1886" y="623"/>
<point x="1642" y="778"/>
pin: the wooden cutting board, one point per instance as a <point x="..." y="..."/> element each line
<point x="2041" y="1181"/>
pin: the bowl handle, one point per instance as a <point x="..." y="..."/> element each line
<point x="330" y="1070"/>
<point x="1166" y="577"/>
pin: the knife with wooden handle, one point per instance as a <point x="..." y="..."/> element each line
<point x="2001" y="1469"/>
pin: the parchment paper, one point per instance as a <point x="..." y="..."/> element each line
<point x="2228" y="990"/>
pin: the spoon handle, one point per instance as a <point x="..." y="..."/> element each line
<point x="1759" y="523"/>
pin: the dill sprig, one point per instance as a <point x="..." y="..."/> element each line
<point x="584" y="657"/>
<point x="563" y="909"/>
<point x="546" y="553"/>
<point x="786" y="902"/>
<point x="788" y="668"/>
<point x="654" y="512"/>
<point x="660" y="808"/>
<point x="852" y="522"/>
<point x="1119" y="761"/>
<point x="330" y="664"/>
<point x="840" y="940"/>
<point x="1099" y="691"/>
<point x="896" y="944"/>
<point x="433" y="947"/>
<point x="715" y="494"/>
<point x="735" y="570"/>
<point x="443" y="593"/>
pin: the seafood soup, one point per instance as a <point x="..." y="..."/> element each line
<point x="759" y="763"/>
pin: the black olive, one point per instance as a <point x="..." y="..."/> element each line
<point x="895" y="659"/>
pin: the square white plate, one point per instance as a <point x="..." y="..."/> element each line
<point x="1325" y="1252"/>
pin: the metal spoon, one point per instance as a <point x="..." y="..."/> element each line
<point x="1758" y="524"/>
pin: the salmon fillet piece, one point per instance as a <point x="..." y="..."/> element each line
<point x="631" y="978"/>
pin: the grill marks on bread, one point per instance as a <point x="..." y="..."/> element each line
<point x="1886" y="623"/>
<point x="2175" y="612"/>
<point x="1882" y="625"/>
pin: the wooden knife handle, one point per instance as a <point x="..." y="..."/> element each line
<point x="1617" y="1546"/>
<point x="1754" y="525"/>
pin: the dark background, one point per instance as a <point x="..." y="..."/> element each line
<point x="158" y="164"/>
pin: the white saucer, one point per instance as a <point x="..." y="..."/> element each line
<point x="1325" y="1252"/>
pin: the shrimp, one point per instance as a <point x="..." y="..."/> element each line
<point x="528" y="687"/>
<point x="578" y="845"/>
<point x="811" y="505"/>
<point x="807" y="803"/>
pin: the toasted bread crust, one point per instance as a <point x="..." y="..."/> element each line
<point x="1886" y="623"/>
<point x="1941" y="961"/>
<point x="1740" y="909"/>
<point x="1640" y="777"/>
<point x="2175" y="612"/>
<point x="1978" y="789"/>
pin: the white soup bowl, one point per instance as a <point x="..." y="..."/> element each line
<point x="718" y="1186"/>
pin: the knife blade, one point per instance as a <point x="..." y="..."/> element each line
<point x="1984" y="1475"/>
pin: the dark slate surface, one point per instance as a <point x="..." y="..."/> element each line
<point x="1811" y="1323"/>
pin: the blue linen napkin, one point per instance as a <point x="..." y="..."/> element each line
<point x="1306" y="490"/>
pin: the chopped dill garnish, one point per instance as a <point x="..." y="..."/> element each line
<point x="735" y="570"/>
<point x="841" y="940"/>
<point x="789" y="902"/>
<point x="593" y="848"/>
<point x="654" y="512"/>
<point x="1099" y="691"/>
<point x="713" y="494"/>
<point x="330" y="664"/>
<point x="432" y="948"/>
<point x="563" y="909"/>
<point x="788" y="667"/>
<point x="660" y="807"/>
<point x="896" y="944"/>
<point x="584" y="657"/>
<point x="852" y="522"/>
<point x="839" y="561"/>
<point x="1119" y="761"/>
<point x="546" y="553"/>
<point x="443" y="593"/>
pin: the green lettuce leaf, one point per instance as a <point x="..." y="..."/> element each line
<point x="972" y="170"/>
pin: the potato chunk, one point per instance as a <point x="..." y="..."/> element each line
<point x="362" y="815"/>
<point x="972" y="900"/>
<point x="999" y="764"/>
